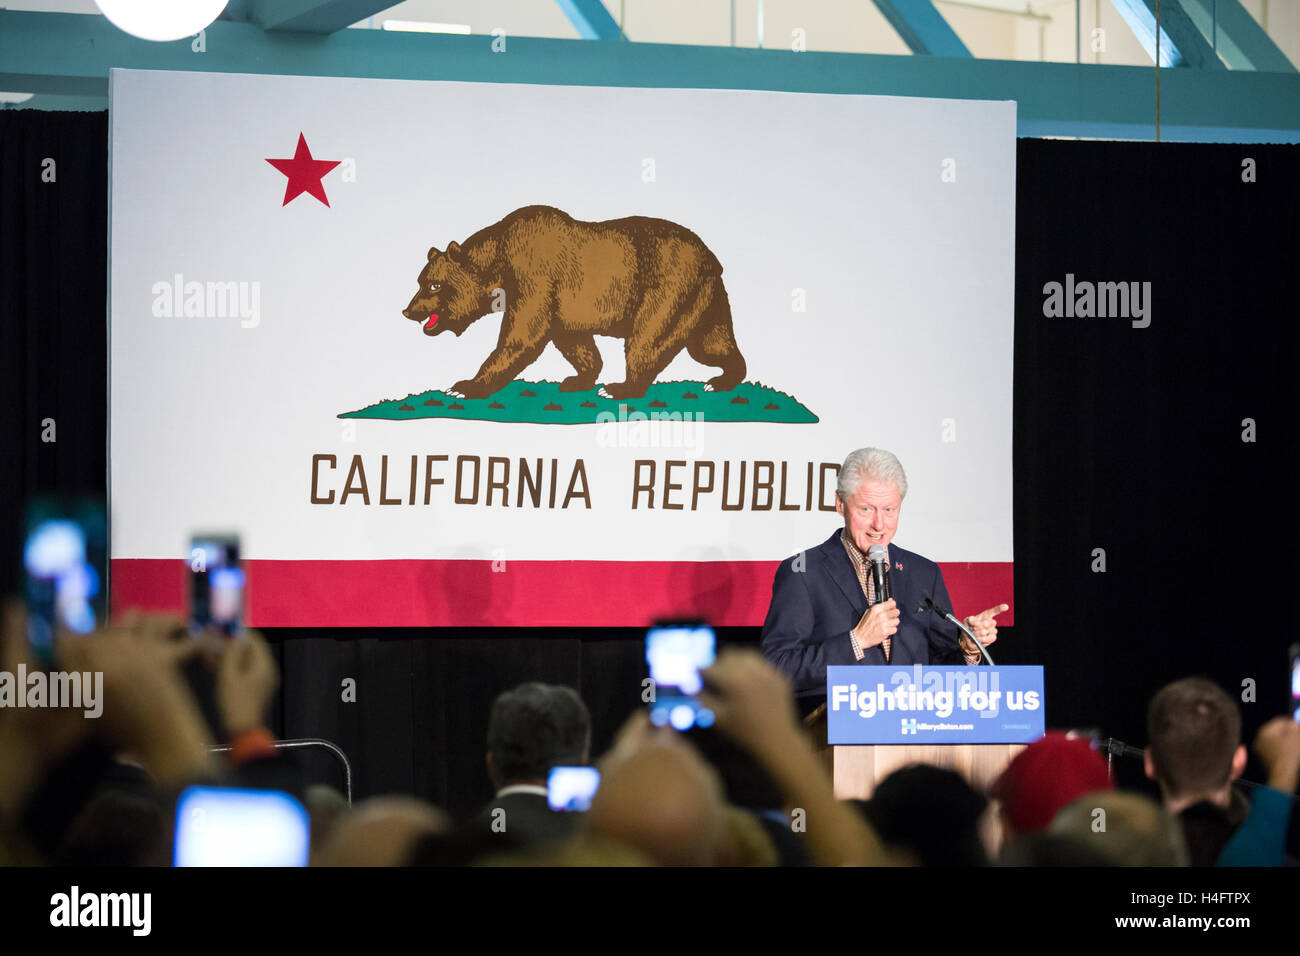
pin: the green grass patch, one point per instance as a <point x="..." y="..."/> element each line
<point x="543" y="403"/>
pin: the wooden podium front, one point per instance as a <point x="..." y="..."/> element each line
<point x="857" y="769"/>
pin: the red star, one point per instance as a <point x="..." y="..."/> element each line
<point x="304" y="173"/>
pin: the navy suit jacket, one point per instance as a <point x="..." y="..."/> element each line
<point x="814" y="609"/>
<point x="528" y="817"/>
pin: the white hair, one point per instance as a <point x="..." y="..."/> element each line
<point x="870" y="464"/>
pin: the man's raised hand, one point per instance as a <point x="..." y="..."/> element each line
<point x="879" y="622"/>
<point x="983" y="625"/>
<point x="1278" y="747"/>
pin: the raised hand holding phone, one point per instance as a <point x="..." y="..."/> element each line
<point x="216" y="585"/>
<point x="65" y="555"/>
<point x="676" y="652"/>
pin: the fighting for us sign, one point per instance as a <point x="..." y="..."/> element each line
<point x="471" y="353"/>
<point x="934" y="705"/>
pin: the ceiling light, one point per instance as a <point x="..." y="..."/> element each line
<point x="415" y="26"/>
<point x="161" y="19"/>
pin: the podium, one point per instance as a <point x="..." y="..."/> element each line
<point x="973" y="720"/>
<point x="856" y="769"/>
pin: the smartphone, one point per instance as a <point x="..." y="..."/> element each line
<point x="676" y="651"/>
<point x="225" y="826"/>
<point x="216" y="584"/>
<point x="1295" y="682"/>
<point x="65" y="560"/>
<point x="571" y="788"/>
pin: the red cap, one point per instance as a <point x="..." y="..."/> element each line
<point x="1048" y="774"/>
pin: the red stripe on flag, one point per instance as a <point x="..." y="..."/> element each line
<point x="451" y="593"/>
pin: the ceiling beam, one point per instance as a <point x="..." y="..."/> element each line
<point x="1181" y="43"/>
<point x="314" y="16"/>
<point x="71" y="55"/>
<point x="1238" y="38"/>
<point x="591" y="19"/>
<point x="922" y="27"/>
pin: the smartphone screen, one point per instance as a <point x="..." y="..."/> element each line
<point x="1295" y="682"/>
<point x="676" y="653"/>
<point x="224" y="826"/>
<point x="216" y="584"/>
<point x="65" y="555"/>
<point x="571" y="788"/>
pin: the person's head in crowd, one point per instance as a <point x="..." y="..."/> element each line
<point x="382" y="831"/>
<point x="1127" y="828"/>
<point x="745" y="842"/>
<point x="663" y="801"/>
<point x="1045" y="776"/>
<point x="1050" y="849"/>
<point x="930" y="813"/>
<point x="465" y="845"/>
<point x="533" y="728"/>
<point x="1194" y="748"/>
<point x="584" y="849"/>
<point x="325" y="807"/>
<point x="120" y="826"/>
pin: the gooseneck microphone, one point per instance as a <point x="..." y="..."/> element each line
<point x="929" y="605"/>
<point x="879" y="558"/>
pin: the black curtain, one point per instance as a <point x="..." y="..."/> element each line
<point x="1131" y="440"/>
<point x="1127" y="440"/>
<point x="53" y="312"/>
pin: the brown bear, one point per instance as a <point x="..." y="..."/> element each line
<point x="651" y="282"/>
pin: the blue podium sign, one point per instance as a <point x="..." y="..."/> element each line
<point x="934" y="705"/>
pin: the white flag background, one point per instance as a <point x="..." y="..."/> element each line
<point x="867" y="246"/>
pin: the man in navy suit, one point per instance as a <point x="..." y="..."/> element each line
<point x="532" y="728"/>
<point x="824" y="608"/>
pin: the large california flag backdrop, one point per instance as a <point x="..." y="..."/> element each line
<point x="265" y="381"/>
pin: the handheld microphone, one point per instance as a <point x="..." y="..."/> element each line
<point x="928" y="605"/>
<point x="879" y="558"/>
